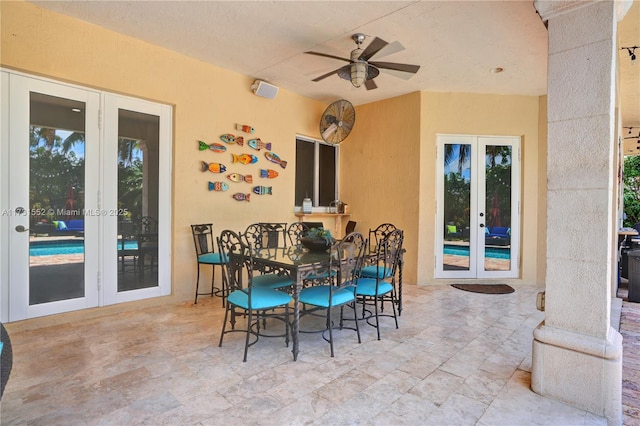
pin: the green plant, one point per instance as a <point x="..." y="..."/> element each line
<point x="320" y="234"/>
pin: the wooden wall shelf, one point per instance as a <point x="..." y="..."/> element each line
<point x="338" y="227"/>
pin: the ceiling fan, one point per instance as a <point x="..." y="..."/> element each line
<point x="362" y="71"/>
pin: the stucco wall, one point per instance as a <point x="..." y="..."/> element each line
<point x="387" y="163"/>
<point x="207" y="102"/>
<point x="480" y="114"/>
<point x="380" y="165"/>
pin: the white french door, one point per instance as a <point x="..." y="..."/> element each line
<point x="478" y="214"/>
<point x="53" y="153"/>
<point x="71" y="187"/>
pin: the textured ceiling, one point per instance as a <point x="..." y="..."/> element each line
<point x="456" y="43"/>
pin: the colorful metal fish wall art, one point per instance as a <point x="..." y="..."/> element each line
<point x="218" y="186"/>
<point x="231" y="139"/>
<point x="262" y="190"/>
<point x="245" y="128"/>
<point x="244" y="158"/>
<point x="239" y="196"/>
<point x="237" y="177"/>
<point x="214" y="167"/>
<point x="268" y="174"/>
<point x="257" y="144"/>
<point x="275" y="159"/>
<point x="215" y="147"/>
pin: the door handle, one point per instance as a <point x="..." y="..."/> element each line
<point x="21" y="228"/>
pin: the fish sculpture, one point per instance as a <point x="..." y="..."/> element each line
<point x="214" y="167"/>
<point x="268" y="173"/>
<point x="244" y="158"/>
<point x="239" y="196"/>
<point x="245" y="128"/>
<point x="262" y="190"/>
<point x="236" y="177"/>
<point x="215" y="147"/>
<point x="257" y="144"/>
<point x="218" y="186"/>
<point x="228" y="138"/>
<point x="275" y="159"/>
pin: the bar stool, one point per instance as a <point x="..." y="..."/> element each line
<point x="206" y="255"/>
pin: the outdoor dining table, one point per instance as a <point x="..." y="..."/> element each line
<point x="302" y="264"/>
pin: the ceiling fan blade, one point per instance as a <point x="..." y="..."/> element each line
<point x="323" y="76"/>
<point x="370" y="85"/>
<point x="372" y="48"/>
<point x="326" y="55"/>
<point x="390" y="49"/>
<point x="397" y="67"/>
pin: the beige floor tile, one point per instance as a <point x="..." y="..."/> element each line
<point x="457" y="358"/>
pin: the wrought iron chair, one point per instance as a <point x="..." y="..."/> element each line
<point x="256" y="303"/>
<point x="275" y="234"/>
<point x="206" y="255"/>
<point x="256" y="236"/>
<point x="377" y="281"/>
<point x="295" y="231"/>
<point x="345" y="264"/>
<point x="351" y="226"/>
<point x="378" y="234"/>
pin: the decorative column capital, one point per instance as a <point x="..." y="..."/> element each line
<point x="548" y="9"/>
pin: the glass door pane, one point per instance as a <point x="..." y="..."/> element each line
<point x="498" y="190"/>
<point x="53" y="227"/>
<point x="138" y="149"/>
<point x="56" y="198"/>
<point x="457" y="207"/>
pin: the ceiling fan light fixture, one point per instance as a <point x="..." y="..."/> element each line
<point x="358" y="73"/>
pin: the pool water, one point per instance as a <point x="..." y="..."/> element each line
<point x="490" y="252"/>
<point x="53" y="248"/>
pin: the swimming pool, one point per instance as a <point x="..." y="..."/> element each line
<point x="490" y="252"/>
<point x="53" y="248"/>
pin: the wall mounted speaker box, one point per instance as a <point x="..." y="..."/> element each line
<point x="264" y="89"/>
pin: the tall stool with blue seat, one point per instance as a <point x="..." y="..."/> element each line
<point x="206" y="255"/>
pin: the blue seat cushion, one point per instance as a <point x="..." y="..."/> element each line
<point x="261" y="298"/>
<point x="372" y="271"/>
<point x="210" y="258"/>
<point x="367" y="287"/>
<point x="272" y="281"/>
<point x="318" y="295"/>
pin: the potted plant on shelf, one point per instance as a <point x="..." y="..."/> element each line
<point x="317" y="239"/>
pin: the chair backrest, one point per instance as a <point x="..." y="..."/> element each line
<point x="295" y="231"/>
<point x="255" y="236"/>
<point x="237" y="261"/>
<point x="148" y="225"/>
<point x="347" y="257"/>
<point x="378" y="234"/>
<point x="351" y="226"/>
<point x="203" y="238"/>
<point x="388" y="255"/>
<point x="276" y="234"/>
<point x="314" y="224"/>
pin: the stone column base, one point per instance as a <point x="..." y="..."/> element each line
<point x="582" y="371"/>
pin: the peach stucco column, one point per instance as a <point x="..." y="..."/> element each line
<point x="577" y="355"/>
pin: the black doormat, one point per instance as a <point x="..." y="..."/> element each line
<point x="485" y="288"/>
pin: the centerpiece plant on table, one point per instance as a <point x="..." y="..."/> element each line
<point x="317" y="239"/>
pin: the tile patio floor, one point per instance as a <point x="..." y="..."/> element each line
<point x="459" y="358"/>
